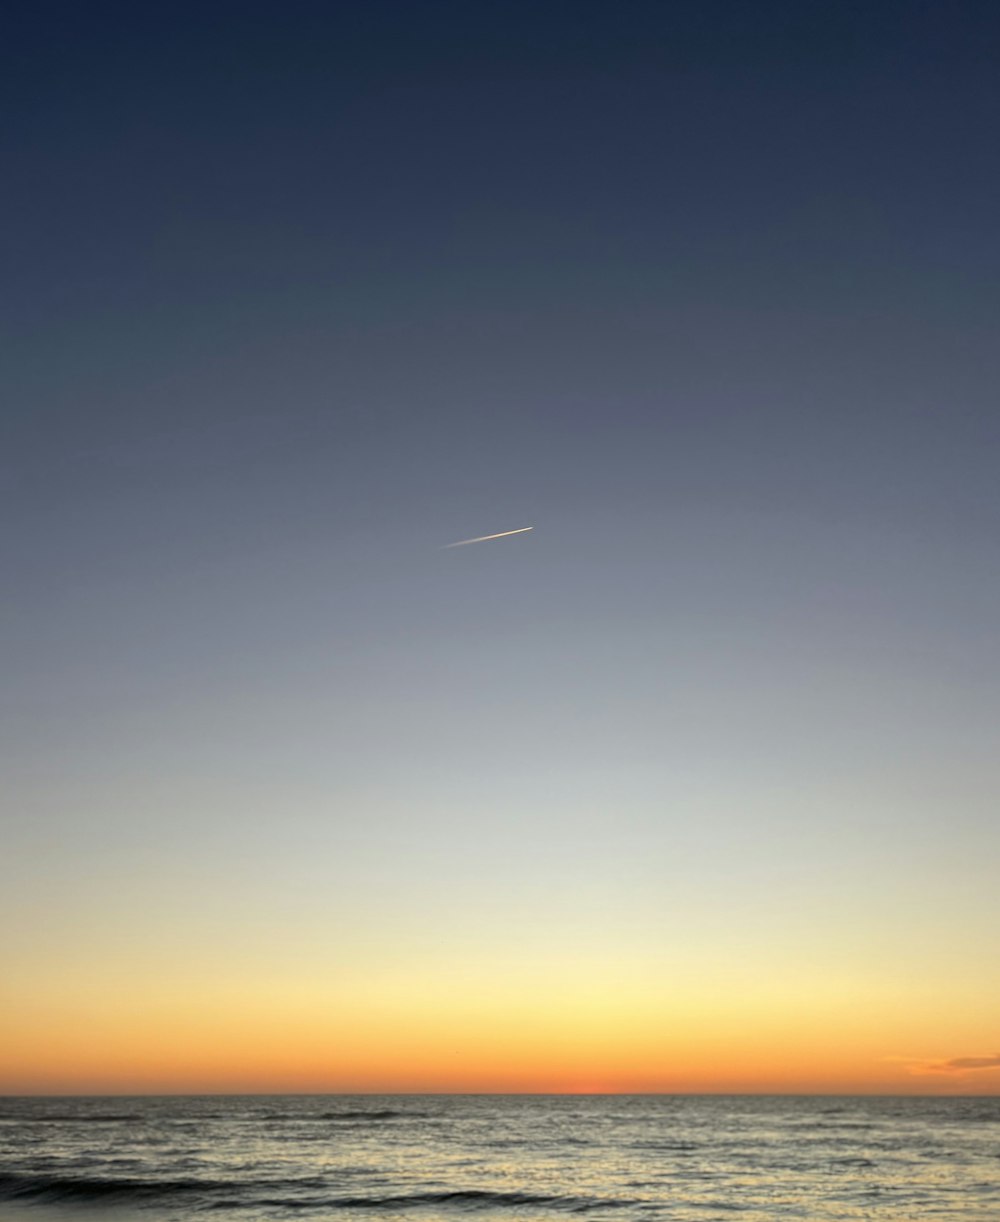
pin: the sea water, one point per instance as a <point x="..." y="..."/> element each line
<point x="752" y="1158"/>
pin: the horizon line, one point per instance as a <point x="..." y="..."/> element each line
<point x="541" y="1094"/>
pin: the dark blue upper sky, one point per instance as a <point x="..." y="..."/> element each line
<point x="268" y="272"/>
<point x="275" y="275"/>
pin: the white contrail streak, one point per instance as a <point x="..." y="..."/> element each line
<point x="484" y="538"/>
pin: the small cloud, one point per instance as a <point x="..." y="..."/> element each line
<point x="957" y="1065"/>
<point x="960" y="1064"/>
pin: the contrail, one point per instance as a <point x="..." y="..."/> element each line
<point x="484" y="538"/>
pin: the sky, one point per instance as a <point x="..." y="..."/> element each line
<point x="692" y="787"/>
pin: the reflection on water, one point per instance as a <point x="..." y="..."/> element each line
<point x="516" y="1157"/>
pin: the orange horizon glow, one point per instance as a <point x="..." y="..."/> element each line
<point x="279" y="1043"/>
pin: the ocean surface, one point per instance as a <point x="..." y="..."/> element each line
<point x="436" y="1157"/>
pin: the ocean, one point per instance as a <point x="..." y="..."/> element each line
<point x="490" y="1157"/>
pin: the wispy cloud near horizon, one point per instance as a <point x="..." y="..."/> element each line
<point x="962" y="1064"/>
<point x="954" y="1065"/>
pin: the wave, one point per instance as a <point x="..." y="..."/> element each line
<point x="347" y="1115"/>
<point x="310" y="1193"/>
<point x="55" y="1188"/>
<point x="15" y="1187"/>
<point x="677" y="1147"/>
<point x="77" y="1118"/>
<point x="471" y="1197"/>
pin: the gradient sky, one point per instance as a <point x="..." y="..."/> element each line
<point x="694" y="786"/>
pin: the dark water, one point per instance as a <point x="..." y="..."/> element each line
<point x="491" y="1157"/>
